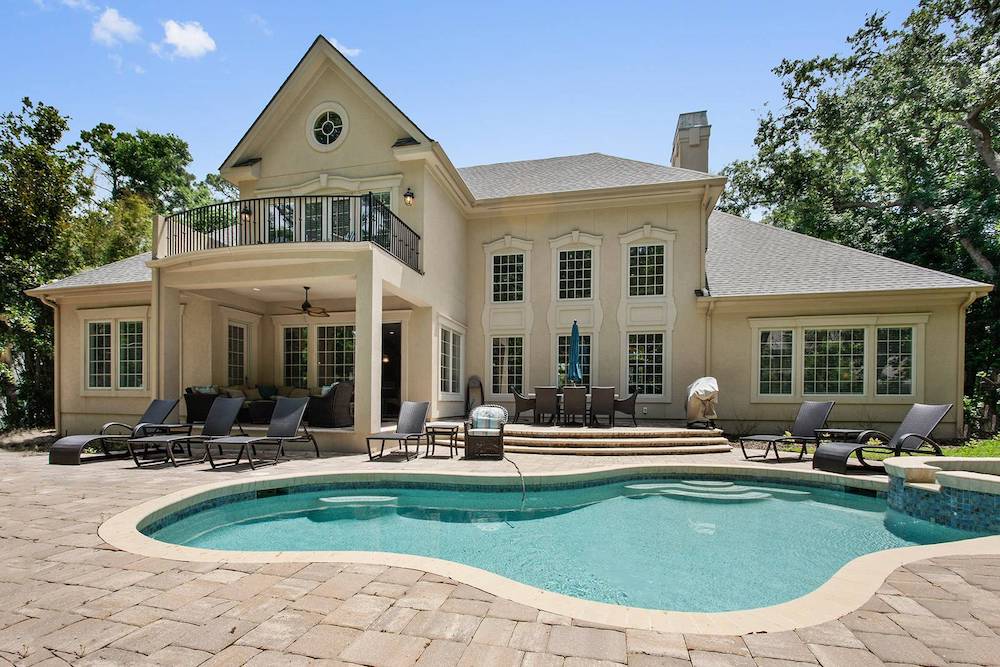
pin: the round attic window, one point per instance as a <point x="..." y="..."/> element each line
<point x="327" y="126"/>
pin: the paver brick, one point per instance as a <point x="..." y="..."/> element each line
<point x="324" y="641"/>
<point x="443" y="625"/>
<point x="570" y="640"/>
<point x="383" y="649"/>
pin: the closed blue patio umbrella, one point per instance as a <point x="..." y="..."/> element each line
<point x="574" y="374"/>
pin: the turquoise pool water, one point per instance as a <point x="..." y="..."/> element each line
<point x="691" y="545"/>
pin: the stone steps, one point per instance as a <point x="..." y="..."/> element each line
<point x="619" y="451"/>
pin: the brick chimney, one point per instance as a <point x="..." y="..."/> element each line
<point x="691" y="141"/>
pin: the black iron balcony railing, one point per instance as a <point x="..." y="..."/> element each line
<point x="298" y="219"/>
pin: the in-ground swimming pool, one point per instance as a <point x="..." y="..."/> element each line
<point x="675" y="544"/>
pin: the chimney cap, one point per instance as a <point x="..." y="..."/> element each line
<point x="692" y="119"/>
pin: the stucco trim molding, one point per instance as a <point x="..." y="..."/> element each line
<point x="589" y="313"/>
<point x="512" y="316"/>
<point x="653" y="314"/>
<point x="325" y="181"/>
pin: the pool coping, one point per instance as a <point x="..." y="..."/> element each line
<point x="847" y="590"/>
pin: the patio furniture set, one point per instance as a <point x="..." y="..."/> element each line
<point x="836" y="446"/>
<point x="329" y="407"/>
<point x="155" y="440"/>
<point x="569" y="402"/>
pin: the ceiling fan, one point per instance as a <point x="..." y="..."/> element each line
<point x="308" y="309"/>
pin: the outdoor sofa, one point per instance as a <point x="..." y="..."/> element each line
<point x="912" y="437"/>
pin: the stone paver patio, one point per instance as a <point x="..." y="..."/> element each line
<point x="66" y="597"/>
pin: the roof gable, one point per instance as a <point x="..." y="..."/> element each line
<point x="125" y="271"/>
<point x="321" y="54"/>
<point x="747" y="258"/>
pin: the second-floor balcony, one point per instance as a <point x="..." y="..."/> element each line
<point x="293" y="219"/>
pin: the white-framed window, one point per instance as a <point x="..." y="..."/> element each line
<point x="507" y="365"/>
<point x="562" y="357"/>
<point x="295" y="356"/>
<point x="833" y="361"/>
<point x="236" y="354"/>
<point x="99" y="355"/>
<point x="508" y="277"/>
<point x="776" y="354"/>
<point x="451" y="361"/>
<point x="335" y="345"/>
<point x="848" y="358"/>
<point x="645" y="363"/>
<point x="131" y="353"/>
<point x="894" y="361"/>
<point x="115" y="353"/>
<point x="576" y="274"/>
<point x="647" y="269"/>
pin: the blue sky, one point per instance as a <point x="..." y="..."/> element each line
<point x="491" y="81"/>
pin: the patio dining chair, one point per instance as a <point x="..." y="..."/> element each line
<point x="546" y="403"/>
<point x="523" y="404"/>
<point x="68" y="450"/>
<point x="283" y="428"/>
<point x="626" y="406"/>
<point x="602" y="404"/>
<point x="219" y="422"/>
<point x="912" y="437"/>
<point x="812" y="417"/>
<point x="410" y="427"/>
<point x="574" y="404"/>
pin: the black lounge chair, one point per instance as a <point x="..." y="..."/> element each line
<point x="410" y="427"/>
<point x="219" y="422"/>
<point x="626" y="406"/>
<point x="284" y="428"/>
<point x="912" y="437"/>
<point x="812" y="417"/>
<point x="522" y="404"/>
<point x="602" y="404"/>
<point x="68" y="450"/>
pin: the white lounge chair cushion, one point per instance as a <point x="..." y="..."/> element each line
<point x="484" y="431"/>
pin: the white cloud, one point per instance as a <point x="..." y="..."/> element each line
<point x="85" y="5"/>
<point x="121" y="65"/>
<point x="188" y="40"/>
<point x="261" y="23"/>
<point x="346" y="50"/>
<point x="111" y="28"/>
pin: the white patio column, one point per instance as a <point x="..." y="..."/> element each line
<point x="368" y="349"/>
<point x="165" y="348"/>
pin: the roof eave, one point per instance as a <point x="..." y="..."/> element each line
<point x="980" y="290"/>
<point x="41" y="291"/>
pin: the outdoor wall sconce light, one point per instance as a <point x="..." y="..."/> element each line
<point x="408" y="197"/>
<point x="385" y="358"/>
<point x="246" y="215"/>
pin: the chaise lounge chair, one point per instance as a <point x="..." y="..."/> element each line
<point x="912" y="437"/>
<point x="410" y="427"/>
<point x="219" y="422"/>
<point x="812" y="416"/>
<point x="68" y="450"/>
<point x="284" y="428"/>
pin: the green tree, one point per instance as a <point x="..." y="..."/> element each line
<point x="893" y="148"/>
<point x="42" y="187"/>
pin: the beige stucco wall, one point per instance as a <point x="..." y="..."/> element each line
<point x="937" y="365"/>
<point x="545" y="317"/>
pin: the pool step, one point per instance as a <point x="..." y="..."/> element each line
<point x="713" y="491"/>
<point x="619" y="451"/>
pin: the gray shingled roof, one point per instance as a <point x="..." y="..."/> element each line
<point x="747" y="258"/>
<point x="571" y="173"/>
<point x="130" y="270"/>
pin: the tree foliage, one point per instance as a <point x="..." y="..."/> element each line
<point x="67" y="206"/>
<point x="893" y="148"/>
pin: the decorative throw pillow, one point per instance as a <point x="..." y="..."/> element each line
<point x="209" y="389"/>
<point x="325" y="389"/>
<point x="299" y="392"/>
<point x="267" y="391"/>
<point x="488" y="417"/>
<point x="285" y="391"/>
<point x="235" y="392"/>
<point x="252" y="394"/>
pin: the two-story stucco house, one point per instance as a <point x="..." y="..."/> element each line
<point x="430" y="274"/>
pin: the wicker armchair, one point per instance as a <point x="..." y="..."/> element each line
<point x="484" y="432"/>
